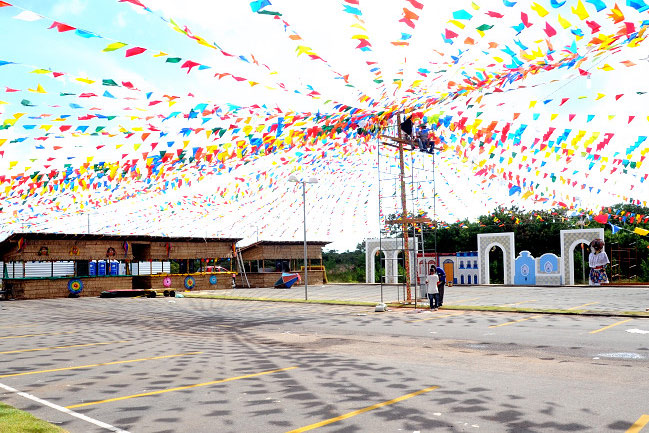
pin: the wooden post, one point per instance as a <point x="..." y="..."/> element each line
<point x="404" y="210"/>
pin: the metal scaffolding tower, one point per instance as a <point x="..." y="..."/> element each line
<point x="404" y="220"/>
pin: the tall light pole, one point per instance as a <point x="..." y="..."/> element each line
<point x="306" y="270"/>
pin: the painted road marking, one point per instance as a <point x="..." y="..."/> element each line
<point x="637" y="331"/>
<point x="517" y="321"/>
<point x="435" y="317"/>
<point x="518" y="303"/>
<point x="36" y="335"/>
<point x="639" y="424"/>
<point x="360" y="411"/>
<point x="62" y="347"/>
<point x="609" y="326"/>
<point x="99" y="365"/>
<point x="64" y="410"/>
<point x="584" y="305"/>
<point x="179" y="388"/>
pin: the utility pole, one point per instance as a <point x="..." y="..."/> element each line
<point x="404" y="211"/>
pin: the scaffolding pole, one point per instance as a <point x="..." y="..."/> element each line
<point x="404" y="210"/>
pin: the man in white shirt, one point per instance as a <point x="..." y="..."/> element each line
<point x="432" y="280"/>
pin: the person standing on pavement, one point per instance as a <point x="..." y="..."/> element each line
<point x="442" y="282"/>
<point x="597" y="260"/>
<point x="432" y="280"/>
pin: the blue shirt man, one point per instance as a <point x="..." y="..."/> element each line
<point x="442" y="283"/>
<point x="442" y="275"/>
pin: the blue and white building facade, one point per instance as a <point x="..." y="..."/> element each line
<point x="466" y="268"/>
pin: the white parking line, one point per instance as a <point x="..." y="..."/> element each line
<point x="64" y="410"/>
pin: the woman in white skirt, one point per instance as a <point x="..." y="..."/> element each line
<point x="597" y="260"/>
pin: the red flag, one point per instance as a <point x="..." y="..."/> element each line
<point x="135" y="2"/>
<point x="450" y="34"/>
<point x="189" y="65"/>
<point x="601" y="218"/>
<point x="61" y="27"/>
<point x="415" y="4"/>
<point x="549" y="30"/>
<point x="134" y="51"/>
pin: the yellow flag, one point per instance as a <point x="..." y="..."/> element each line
<point x="39" y="89"/>
<point x="580" y="11"/>
<point x="302" y="49"/>
<point x="457" y="23"/>
<point x="115" y="46"/>
<point x="641" y="232"/>
<point x="539" y="9"/>
<point x="564" y="22"/>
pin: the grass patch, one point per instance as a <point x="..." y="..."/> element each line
<point x="13" y="420"/>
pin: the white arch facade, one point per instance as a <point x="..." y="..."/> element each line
<point x="390" y="247"/>
<point x="505" y="241"/>
<point x="569" y="240"/>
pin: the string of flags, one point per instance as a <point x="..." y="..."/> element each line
<point x="71" y="141"/>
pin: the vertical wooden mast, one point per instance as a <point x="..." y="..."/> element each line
<point x="404" y="210"/>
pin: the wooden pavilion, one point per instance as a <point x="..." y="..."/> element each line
<point x="265" y="261"/>
<point x="52" y="265"/>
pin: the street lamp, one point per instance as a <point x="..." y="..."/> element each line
<point x="306" y="270"/>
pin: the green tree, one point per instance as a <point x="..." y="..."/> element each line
<point x="345" y="267"/>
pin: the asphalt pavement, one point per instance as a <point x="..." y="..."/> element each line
<point x="211" y="365"/>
